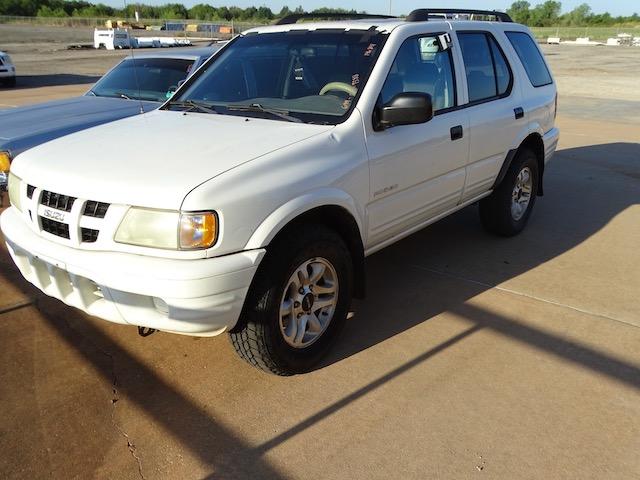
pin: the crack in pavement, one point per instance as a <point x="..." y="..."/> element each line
<point x="17" y="306"/>
<point x="114" y="399"/>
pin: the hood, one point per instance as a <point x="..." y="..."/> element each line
<point x="154" y="160"/>
<point x="25" y="127"/>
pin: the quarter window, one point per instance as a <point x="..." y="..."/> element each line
<point x="488" y="73"/>
<point x="531" y="58"/>
<point x="422" y="66"/>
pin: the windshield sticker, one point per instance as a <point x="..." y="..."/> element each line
<point x="370" y="49"/>
<point x="355" y="79"/>
<point x="346" y="104"/>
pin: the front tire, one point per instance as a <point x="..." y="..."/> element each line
<point x="298" y="301"/>
<point x="507" y="210"/>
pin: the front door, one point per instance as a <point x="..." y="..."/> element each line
<point x="417" y="171"/>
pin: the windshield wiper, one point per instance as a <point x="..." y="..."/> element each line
<point x="122" y="95"/>
<point x="256" y="107"/>
<point x="191" y="105"/>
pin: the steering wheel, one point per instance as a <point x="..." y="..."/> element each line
<point x="339" y="87"/>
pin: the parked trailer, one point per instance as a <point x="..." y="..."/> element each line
<point x="111" y="38"/>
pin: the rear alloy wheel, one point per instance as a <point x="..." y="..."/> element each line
<point x="506" y="211"/>
<point x="298" y="301"/>
<point x="521" y="195"/>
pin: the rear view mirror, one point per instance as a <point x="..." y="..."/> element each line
<point x="407" y="108"/>
<point x="172" y="89"/>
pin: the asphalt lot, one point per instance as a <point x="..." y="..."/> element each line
<point x="473" y="356"/>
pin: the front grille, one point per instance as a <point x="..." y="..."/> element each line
<point x="95" y="209"/>
<point x="55" y="228"/>
<point x="30" y="189"/>
<point x="57" y="201"/>
<point x="89" y="235"/>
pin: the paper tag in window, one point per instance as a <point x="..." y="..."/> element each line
<point x="445" y="41"/>
<point x="370" y="49"/>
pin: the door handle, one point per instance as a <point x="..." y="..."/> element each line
<point x="519" y="113"/>
<point x="456" y="132"/>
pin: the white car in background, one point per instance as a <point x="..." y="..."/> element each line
<point x="7" y="71"/>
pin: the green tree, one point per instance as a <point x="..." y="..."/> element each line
<point x="545" y="14"/>
<point x="578" y="16"/>
<point x="45" y="11"/>
<point x="202" y="11"/>
<point x="519" y="12"/>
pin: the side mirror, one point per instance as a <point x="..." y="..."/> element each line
<point x="407" y="108"/>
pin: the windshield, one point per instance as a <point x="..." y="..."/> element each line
<point x="5" y="59"/>
<point x="143" y="78"/>
<point x="310" y="76"/>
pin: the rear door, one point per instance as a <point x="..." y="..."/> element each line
<point x="494" y="108"/>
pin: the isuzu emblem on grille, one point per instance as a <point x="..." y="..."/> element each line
<point x="53" y="215"/>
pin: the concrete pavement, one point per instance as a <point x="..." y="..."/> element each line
<point x="473" y="356"/>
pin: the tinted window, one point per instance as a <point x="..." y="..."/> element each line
<point x="422" y="66"/>
<point x="503" y="73"/>
<point x="143" y="78"/>
<point x="531" y="58"/>
<point x="312" y="75"/>
<point x="478" y="65"/>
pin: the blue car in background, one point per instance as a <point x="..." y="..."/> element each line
<point x="136" y="85"/>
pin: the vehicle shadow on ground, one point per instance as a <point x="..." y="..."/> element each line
<point x="584" y="193"/>
<point x="57" y="79"/>
<point x="420" y="277"/>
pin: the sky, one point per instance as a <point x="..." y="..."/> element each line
<point x="614" y="7"/>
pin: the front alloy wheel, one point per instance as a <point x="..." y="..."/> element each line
<point x="297" y="303"/>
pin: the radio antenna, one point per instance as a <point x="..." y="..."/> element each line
<point x="133" y="60"/>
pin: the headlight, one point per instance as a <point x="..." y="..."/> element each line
<point x="167" y="229"/>
<point x="15" y="185"/>
<point x="5" y="161"/>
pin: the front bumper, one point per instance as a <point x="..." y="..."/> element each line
<point x="200" y="297"/>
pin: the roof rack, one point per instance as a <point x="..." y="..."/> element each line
<point x="424" y="14"/>
<point x="294" y="17"/>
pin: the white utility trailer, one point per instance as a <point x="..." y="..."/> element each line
<point x="111" y="38"/>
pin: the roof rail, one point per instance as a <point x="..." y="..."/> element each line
<point x="294" y="17"/>
<point x="424" y="14"/>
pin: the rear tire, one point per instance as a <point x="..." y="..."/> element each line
<point x="289" y="322"/>
<point x="507" y="210"/>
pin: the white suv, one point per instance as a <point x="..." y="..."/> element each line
<point x="7" y="71"/>
<point x="249" y="201"/>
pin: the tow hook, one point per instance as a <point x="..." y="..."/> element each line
<point x="145" y="331"/>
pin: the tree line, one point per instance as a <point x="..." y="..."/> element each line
<point x="549" y="14"/>
<point x="541" y="15"/>
<point x="202" y="11"/>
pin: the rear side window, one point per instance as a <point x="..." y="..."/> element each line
<point x="488" y="73"/>
<point x="531" y="58"/>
